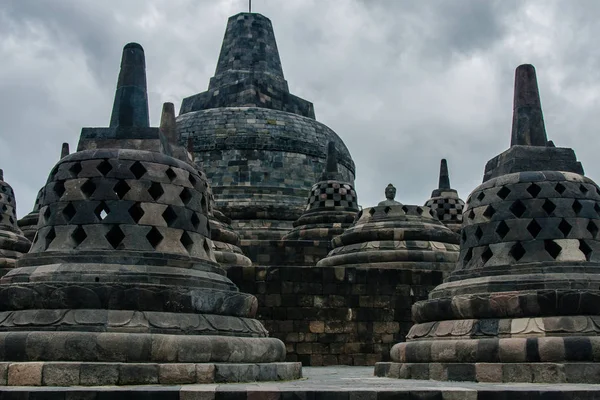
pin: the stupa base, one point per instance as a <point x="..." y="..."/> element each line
<point x="50" y="373"/>
<point x="568" y="372"/>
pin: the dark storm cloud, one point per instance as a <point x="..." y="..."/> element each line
<point x="404" y="83"/>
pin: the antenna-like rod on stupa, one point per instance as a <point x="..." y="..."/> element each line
<point x="528" y="121"/>
<point x="250" y="6"/>
<point x="131" y="98"/>
<point x="1" y="175"/>
<point x="168" y="126"/>
<point x="444" y="176"/>
<point x="64" y="151"/>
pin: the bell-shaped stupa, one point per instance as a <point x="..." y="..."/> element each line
<point x="13" y="244"/>
<point x="331" y="207"/>
<point x="445" y="202"/>
<point x="394" y="235"/>
<point x="260" y="146"/>
<point x="522" y="302"/>
<point x="121" y="285"/>
<point x="29" y="223"/>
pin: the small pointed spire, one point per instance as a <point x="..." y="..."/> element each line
<point x="131" y="98"/>
<point x="444" y="176"/>
<point x="168" y="126"/>
<point x="1" y="175"/>
<point x="64" y="151"/>
<point x="190" y="147"/>
<point x="332" y="163"/>
<point x="528" y="121"/>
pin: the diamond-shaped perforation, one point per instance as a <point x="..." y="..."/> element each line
<point x="565" y="227"/>
<point x="47" y="213"/>
<point x="503" y="193"/>
<point x="137" y="169"/>
<point x="185" y="195"/>
<point x="552" y="248"/>
<point x="88" y="188"/>
<point x="534" y="190"/>
<point x="171" y="174"/>
<point x="104" y="167"/>
<point x="136" y="211"/>
<point x="419" y="211"/>
<point x="192" y="180"/>
<point x="518" y="208"/>
<point x="502" y="229"/>
<point x="534" y="228"/>
<point x="560" y="188"/>
<point x="59" y="188"/>
<point x="206" y="246"/>
<point x="154" y="237"/>
<point x="585" y="249"/>
<point x="78" y="235"/>
<point x="486" y="255"/>
<point x="577" y="206"/>
<point x="405" y="209"/>
<point x="195" y="221"/>
<point x="121" y="189"/>
<point x="101" y="211"/>
<point x="471" y="214"/>
<point x="549" y="206"/>
<point x="597" y="209"/>
<point x="115" y="236"/>
<point x="156" y="190"/>
<point x="186" y="241"/>
<point x="170" y="216"/>
<point x="371" y="210"/>
<point x="4" y="208"/>
<point x="583" y="189"/>
<point x="478" y="233"/>
<point x="69" y="212"/>
<point x="517" y="251"/>
<point x="50" y="236"/>
<point x="481" y="196"/>
<point x="468" y="255"/>
<point x="387" y="209"/>
<point x="592" y="229"/>
<point x="75" y="169"/>
<point x="489" y="212"/>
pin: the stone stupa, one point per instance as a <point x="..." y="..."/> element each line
<point x="28" y="224"/>
<point x="121" y="285"/>
<point x="260" y="145"/>
<point x="13" y="244"/>
<point x="522" y="302"/>
<point x="445" y="202"/>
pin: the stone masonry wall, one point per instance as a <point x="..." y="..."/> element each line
<point x="331" y="316"/>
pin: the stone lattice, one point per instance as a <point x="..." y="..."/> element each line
<point x="521" y="304"/>
<point x="445" y="202"/>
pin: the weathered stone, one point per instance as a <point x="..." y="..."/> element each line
<point x="25" y="374"/>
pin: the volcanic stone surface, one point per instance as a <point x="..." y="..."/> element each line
<point x="260" y="145"/>
<point x="122" y="270"/>
<point x="521" y="304"/>
<point x="12" y="242"/>
<point x="445" y="201"/>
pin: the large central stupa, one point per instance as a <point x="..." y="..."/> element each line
<point x="260" y="145"/>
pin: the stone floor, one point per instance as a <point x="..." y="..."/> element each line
<point x="347" y="383"/>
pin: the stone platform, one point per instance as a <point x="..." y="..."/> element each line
<point x="340" y="383"/>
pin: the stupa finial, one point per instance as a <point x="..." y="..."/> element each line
<point x="1" y="175"/>
<point x="444" y="176"/>
<point x="64" y="151"/>
<point x="528" y="121"/>
<point x="168" y="126"/>
<point x="131" y="99"/>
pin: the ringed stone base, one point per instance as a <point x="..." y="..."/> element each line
<point x="574" y="372"/>
<point x="103" y="374"/>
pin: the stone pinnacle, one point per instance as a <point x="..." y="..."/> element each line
<point x="528" y="121"/>
<point x="444" y="176"/>
<point x="168" y="125"/>
<point x="64" y="151"/>
<point x="1" y="175"/>
<point x="331" y="165"/>
<point x="131" y="99"/>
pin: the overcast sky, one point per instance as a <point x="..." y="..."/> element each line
<point x="403" y="83"/>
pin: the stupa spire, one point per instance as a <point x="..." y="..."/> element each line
<point x="528" y="121"/>
<point x="444" y="182"/>
<point x="130" y="108"/>
<point x="64" y="151"/>
<point x="168" y="126"/>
